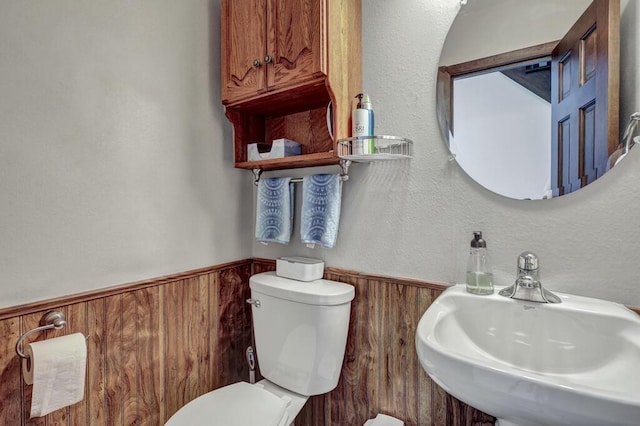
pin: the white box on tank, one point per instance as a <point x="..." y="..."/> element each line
<point x="300" y="268"/>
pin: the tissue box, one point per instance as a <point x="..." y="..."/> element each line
<point x="279" y="149"/>
<point x="299" y="268"/>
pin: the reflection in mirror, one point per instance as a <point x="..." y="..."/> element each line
<point x="528" y="94"/>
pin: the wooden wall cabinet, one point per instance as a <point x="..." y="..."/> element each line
<point x="283" y="61"/>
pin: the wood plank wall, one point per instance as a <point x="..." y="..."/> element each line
<point x="154" y="346"/>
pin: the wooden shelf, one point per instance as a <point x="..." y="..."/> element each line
<point x="298" y="161"/>
<point x="309" y="128"/>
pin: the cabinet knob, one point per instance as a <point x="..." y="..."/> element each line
<point x="268" y="59"/>
<point x="256" y="63"/>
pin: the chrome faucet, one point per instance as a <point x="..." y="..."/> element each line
<point x="527" y="285"/>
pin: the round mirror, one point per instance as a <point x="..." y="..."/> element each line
<point x="528" y="94"/>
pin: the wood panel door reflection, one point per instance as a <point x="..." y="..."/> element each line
<point x="585" y="83"/>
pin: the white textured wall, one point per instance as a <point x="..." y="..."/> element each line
<point x="115" y="156"/>
<point x="116" y="165"/>
<point x="415" y="218"/>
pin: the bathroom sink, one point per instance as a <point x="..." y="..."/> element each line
<point x="528" y="363"/>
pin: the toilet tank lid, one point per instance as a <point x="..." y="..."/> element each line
<point x="318" y="292"/>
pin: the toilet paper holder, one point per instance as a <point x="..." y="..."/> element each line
<point x="52" y="319"/>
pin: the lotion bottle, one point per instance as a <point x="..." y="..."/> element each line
<point x="479" y="274"/>
<point x="362" y="125"/>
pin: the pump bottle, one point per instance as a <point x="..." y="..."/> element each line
<point x="362" y="125"/>
<point x="479" y="274"/>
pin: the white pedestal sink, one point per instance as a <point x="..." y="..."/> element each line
<point x="526" y="363"/>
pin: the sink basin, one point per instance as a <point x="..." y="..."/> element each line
<point x="526" y="363"/>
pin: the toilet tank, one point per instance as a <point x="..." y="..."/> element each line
<point x="300" y="330"/>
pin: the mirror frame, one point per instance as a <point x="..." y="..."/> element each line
<point x="447" y="74"/>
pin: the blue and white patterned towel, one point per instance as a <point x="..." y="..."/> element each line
<point x="274" y="211"/>
<point x="321" y="199"/>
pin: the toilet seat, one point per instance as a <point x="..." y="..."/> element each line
<point x="239" y="404"/>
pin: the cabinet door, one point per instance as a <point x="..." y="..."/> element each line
<point x="296" y="41"/>
<point x="244" y="26"/>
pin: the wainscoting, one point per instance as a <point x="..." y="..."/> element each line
<point x="152" y="347"/>
<point x="155" y="345"/>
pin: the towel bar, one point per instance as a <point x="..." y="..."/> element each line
<point x="344" y="164"/>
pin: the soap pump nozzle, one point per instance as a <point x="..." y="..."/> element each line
<point x="477" y="241"/>
<point x="364" y="102"/>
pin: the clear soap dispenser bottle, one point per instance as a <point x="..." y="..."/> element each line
<point x="479" y="274"/>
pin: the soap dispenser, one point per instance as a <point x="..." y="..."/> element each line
<point x="362" y="125"/>
<point x="479" y="275"/>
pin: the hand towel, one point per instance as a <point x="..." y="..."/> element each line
<point x="274" y="211"/>
<point x="321" y="199"/>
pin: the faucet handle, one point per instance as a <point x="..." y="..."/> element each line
<point x="528" y="261"/>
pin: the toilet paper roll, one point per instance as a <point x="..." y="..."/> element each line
<point x="57" y="370"/>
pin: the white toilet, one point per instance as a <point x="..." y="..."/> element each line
<point x="301" y="334"/>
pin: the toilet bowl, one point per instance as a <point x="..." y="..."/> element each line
<point x="301" y="334"/>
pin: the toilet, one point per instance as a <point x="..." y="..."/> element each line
<point x="300" y="332"/>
